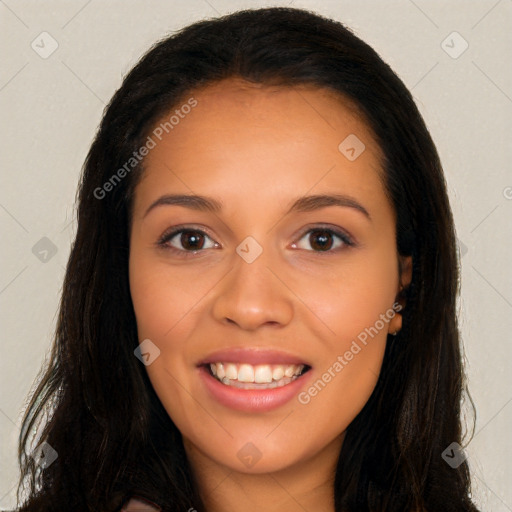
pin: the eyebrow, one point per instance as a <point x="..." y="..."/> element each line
<point x="302" y="204"/>
<point x="194" y="202"/>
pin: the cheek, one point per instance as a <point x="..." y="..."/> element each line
<point x="355" y="304"/>
<point x="168" y="305"/>
<point x="163" y="297"/>
<point x="354" y="296"/>
<point x="164" y="302"/>
<point x="356" y="308"/>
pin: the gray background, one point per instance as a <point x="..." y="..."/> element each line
<point x="51" y="108"/>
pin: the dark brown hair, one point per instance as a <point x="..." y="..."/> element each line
<point x="95" y="404"/>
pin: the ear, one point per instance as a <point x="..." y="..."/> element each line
<point x="404" y="280"/>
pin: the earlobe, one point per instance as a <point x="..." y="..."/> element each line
<point x="395" y="324"/>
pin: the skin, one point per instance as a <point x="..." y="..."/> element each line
<point x="256" y="149"/>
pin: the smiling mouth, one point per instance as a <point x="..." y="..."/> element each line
<point x="261" y="376"/>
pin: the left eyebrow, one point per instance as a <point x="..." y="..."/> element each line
<point x="311" y="203"/>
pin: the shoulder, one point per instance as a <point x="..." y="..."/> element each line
<point x="137" y="504"/>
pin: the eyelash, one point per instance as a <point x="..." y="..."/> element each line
<point x="164" y="240"/>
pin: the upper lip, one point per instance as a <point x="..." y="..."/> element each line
<point x="252" y="356"/>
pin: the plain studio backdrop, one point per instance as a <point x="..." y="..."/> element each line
<point x="63" y="60"/>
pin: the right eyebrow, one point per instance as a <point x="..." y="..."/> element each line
<point x="194" y="202"/>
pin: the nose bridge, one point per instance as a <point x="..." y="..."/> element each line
<point x="251" y="295"/>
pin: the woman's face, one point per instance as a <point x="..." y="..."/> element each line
<point x="286" y="262"/>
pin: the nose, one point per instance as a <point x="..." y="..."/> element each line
<point x="253" y="295"/>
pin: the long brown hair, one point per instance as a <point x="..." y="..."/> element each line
<point x="95" y="405"/>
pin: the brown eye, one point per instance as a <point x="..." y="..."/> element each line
<point x="192" y="240"/>
<point x="324" y="240"/>
<point x="321" y="240"/>
<point x="187" y="240"/>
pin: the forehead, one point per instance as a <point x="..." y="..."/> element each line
<point x="282" y="111"/>
<point x="243" y="138"/>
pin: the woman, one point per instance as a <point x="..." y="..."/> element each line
<point x="259" y="306"/>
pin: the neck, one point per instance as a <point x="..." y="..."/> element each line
<point x="306" y="485"/>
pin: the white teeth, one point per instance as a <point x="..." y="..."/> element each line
<point x="278" y="373"/>
<point x="263" y="373"/>
<point x="246" y="373"/>
<point x="231" y="371"/>
<point x="256" y="385"/>
<point x="289" y="370"/>
<point x="274" y="375"/>
<point x="220" y="370"/>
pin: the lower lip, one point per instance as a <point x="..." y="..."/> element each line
<point x="251" y="400"/>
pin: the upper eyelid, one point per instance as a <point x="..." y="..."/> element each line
<point x="175" y="230"/>
<point x="328" y="227"/>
